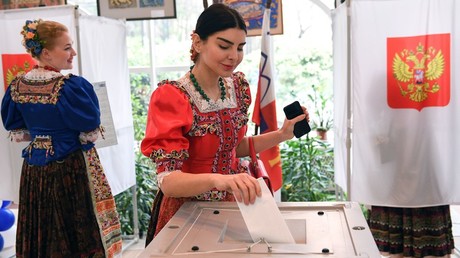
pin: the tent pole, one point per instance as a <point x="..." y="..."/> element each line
<point x="349" y="95"/>
<point x="77" y="32"/>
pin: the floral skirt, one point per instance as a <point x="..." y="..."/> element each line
<point x="412" y="232"/>
<point x="66" y="209"/>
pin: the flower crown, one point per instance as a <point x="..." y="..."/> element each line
<point x="32" y="41"/>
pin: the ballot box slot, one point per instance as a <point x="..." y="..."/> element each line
<point x="227" y="232"/>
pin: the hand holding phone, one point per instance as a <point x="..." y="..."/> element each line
<point x="293" y="110"/>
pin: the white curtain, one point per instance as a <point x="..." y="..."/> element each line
<point x="339" y="39"/>
<point x="103" y="56"/>
<point x="102" y="60"/>
<point x="404" y="156"/>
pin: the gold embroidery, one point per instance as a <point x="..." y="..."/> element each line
<point x="37" y="91"/>
<point x="41" y="142"/>
<point x="161" y="154"/>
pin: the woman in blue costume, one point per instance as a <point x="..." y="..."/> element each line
<point x="66" y="208"/>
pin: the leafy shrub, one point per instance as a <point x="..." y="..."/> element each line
<point x="308" y="173"/>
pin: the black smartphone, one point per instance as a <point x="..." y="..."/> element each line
<point x="293" y="110"/>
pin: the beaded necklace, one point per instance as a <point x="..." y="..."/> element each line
<point x="46" y="68"/>
<point x="223" y="92"/>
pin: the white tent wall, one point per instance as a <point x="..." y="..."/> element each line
<point x="399" y="156"/>
<point x="103" y="57"/>
<point x="102" y="54"/>
<point x="339" y="39"/>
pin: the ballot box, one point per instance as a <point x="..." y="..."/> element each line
<point x="217" y="229"/>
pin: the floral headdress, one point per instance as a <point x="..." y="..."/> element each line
<point x="32" y="41"/>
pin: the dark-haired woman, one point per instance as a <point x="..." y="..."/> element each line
<point x="66" y="208"/>
<point x="196" y="125"/>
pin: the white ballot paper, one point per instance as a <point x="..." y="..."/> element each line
<point x="264" y="219"/>
<point x="110" y="135"/>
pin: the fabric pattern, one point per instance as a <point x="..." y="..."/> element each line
<point x="413" y="232"/>
<point x="104" y="203"/>
<point x="53" y="220"/>
<point x="194" y="136"/>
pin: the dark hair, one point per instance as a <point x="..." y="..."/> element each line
<point x="218" y="17"/>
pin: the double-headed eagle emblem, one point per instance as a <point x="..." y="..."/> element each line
<point x="16" y="70"/>
<point x="417" y="72"/>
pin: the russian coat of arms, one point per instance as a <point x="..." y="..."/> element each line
<point x="417" y="72"/>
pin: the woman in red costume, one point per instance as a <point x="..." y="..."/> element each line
<point x="196" y="125"/>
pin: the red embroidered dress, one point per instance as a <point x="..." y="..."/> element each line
<point x="185" y="132"/>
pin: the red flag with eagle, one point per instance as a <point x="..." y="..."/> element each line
<point x="15" y="64"/>
<point x="264" y="114"/>
<point x="416" y="71"/>
<point x="405" y="103"/>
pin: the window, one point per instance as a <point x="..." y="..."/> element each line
<point x="159" y="49"/>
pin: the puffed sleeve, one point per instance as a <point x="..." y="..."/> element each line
<point x="168" y="121"/>
<point x="79" y="105"/>
<point x="11" y="116"/>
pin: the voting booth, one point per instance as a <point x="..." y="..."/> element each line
<point x="217" y="229"/>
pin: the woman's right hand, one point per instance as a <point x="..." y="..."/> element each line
<point x="243" y="186"/>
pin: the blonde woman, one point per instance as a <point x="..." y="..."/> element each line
<point x="66" y="208"/>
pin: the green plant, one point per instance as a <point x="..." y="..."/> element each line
<point x="145" y="194"/>
<point x="145" y="175"/>
<point x="308" y="173"/>
<point x="322" y="116"/>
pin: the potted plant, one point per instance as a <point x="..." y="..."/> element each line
<point x="322" y="115"/>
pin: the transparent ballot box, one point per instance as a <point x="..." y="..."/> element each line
<point x="217" y="229"/>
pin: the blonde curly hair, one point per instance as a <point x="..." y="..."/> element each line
<point x="40" y="34"/>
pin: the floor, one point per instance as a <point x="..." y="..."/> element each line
<point x="133" y="247"/>
<point x="455" y="214"/>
